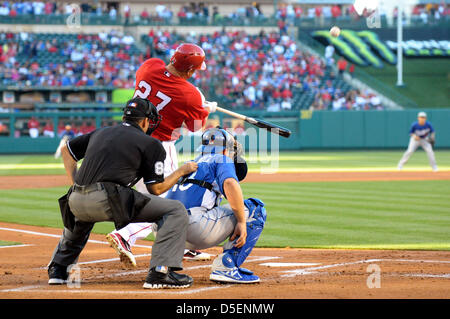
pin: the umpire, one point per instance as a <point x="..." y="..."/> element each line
<point x="115" y="158"/>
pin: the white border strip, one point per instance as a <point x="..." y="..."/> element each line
<point x="312" y="270"/>
<point x="427" y="275"/>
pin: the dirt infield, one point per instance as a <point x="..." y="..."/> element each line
<point x="285" y="273"/>
<point x="42" y="181"/>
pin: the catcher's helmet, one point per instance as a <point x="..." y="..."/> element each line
<point x="216" y="140"/>
<point x="188" y="56"/>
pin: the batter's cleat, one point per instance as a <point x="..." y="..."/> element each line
<point x="122" y="247"/>
<point x="196" y="255"/>
<point x="164" y="278"/>
<point x="234" y="275"/>
<point x="57" y="274"/>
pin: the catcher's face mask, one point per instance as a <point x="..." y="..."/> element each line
<point x="216" y="140"/>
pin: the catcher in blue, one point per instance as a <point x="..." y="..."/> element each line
<point x="220" y="169"/>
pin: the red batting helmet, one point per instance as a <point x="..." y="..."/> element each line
<point x="188" y="56"/>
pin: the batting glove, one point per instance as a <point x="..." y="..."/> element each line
<point x="212" y="106"/>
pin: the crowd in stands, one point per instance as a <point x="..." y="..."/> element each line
<point x="328" y="98"/>
<point x="263" y="71"/>
<point x="36" y="8"/>
<point x="254" y="71"/>
<point x="37" y="127"/>
<point x="258" y="72"/>
<point x="87" y="60"/>
<point x="200" y="11"/>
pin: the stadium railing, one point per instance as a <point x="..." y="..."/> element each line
<point x="136" y="20"/>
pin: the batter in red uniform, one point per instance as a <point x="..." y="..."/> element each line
<point x="178" y="102"/>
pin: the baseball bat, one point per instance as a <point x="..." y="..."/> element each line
<point x="257" y="122"/>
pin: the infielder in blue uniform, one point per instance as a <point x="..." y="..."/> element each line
<point x="422" y="134"/>
<point x="220" y="168"/>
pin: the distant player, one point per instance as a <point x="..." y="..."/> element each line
<point x="178" y="102"/>
<point x="422" y="134"/>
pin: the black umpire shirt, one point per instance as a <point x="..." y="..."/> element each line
<point x="121" y="154"/>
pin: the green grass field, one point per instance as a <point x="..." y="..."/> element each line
<point x="8" y="243"/>
<point x="426" y="80"/>
<point x="377" y="215"/>
<point x="286" y="161"/>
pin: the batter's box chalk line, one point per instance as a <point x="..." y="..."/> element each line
<point x="314" y="270"/>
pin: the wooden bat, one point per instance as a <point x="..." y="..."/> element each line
<point x="257" y="122"/>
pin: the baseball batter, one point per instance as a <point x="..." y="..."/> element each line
<point x="422" y="134"/>
<point x="177" y="101"/>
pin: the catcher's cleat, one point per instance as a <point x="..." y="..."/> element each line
<point x="122" y="247"/>
<point x="224" y="270"/>
<point x="196" y="255"/>
<point x="234" y="275"/>
<point x="163" y="278"/>
<point x="57" y="274"/>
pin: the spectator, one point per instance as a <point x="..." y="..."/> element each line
<point x="329" y="52"/>
<point x="286" y="104"/>
<point x="48" y="129"/>
<point x="3" y="129"/>
<point x="342" y="65"/>
<point x="33" y="127"/>
<point x="336" y="11"/>
<point x="351" y="69"/>
<point x="144" y="15"/>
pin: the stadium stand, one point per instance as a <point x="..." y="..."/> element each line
<point x="201" y="13"/>
<point x="265" y="71"/>
<point x="48" y="59"/>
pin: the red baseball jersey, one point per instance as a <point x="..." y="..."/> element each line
<point x="176" y="99"/>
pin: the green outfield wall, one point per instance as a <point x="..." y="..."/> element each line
<point x="368" y="129"/>
<point x="310" y="130"/>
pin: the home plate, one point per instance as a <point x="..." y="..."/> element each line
<point x="288" y="264"/>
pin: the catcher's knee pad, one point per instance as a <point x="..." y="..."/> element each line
<point x="256" y="212"/>
<point x="255" y="224"/>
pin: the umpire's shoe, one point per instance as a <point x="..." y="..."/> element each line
<point x="163" y="277"/>
<point x="57" y="274"/>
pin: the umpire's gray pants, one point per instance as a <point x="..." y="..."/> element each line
<point x="89" y="208"/>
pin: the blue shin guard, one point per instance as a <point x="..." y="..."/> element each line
<point x="255" y="224"/>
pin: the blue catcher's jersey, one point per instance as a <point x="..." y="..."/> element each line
<point x="212" y="168"/>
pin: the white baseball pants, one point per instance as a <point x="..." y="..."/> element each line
<point x="135" y="231"/>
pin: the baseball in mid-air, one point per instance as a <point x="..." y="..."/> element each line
<point x="335" y="31"/>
